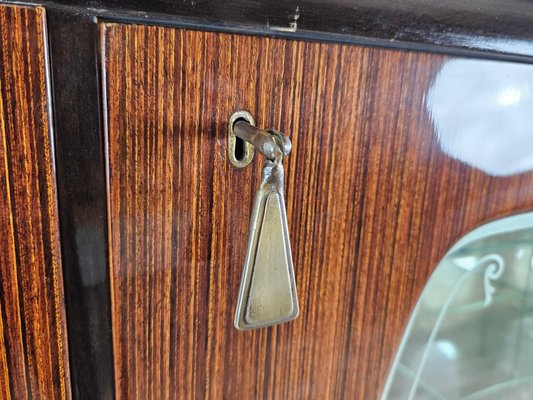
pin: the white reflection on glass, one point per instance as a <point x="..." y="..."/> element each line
<point x="482" y="112"/>
<point x="448" y="349"/>
<point x="471" y="333"/>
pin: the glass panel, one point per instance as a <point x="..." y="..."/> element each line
<point x="471" y="333"/>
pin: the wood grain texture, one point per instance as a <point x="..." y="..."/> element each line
<point x="372" y="202"/>
<point x="33" y="351"/>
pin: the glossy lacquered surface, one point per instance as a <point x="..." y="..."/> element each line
<point x="491" y="27"/>
<point x="33" y="337"/>
<point x="82" y="202"/>
<point x="481" y="111"/>
<point x="373" y="203"/>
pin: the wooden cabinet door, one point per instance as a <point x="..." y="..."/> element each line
<point x="373" y="204"/>
<point x="33" y="337"/>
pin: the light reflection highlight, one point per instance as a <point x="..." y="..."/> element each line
<point x="482" y="112"/>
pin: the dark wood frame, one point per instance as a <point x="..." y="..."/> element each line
<point x="480" y="28"/>
<point x="82" y="202"/>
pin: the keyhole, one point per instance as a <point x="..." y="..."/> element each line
<point x="240" y="153"/>
<point x="240" y="145"/>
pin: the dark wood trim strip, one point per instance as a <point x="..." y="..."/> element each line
<point x="489" y="28"/>
<point x="82" y="201"/>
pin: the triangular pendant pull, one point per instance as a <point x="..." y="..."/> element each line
<point x="268" y="290"/>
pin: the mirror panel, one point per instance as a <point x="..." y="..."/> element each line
<point x="471" y="333"/>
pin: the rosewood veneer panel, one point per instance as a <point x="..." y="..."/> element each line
<point x="373" y="204"/>
<point x="33" y="345"/>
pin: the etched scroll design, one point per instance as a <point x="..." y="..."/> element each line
<point x="495" y="267"/>
<point x="493" y="272"/>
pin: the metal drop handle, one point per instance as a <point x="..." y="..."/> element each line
<point x="267" y="295"/>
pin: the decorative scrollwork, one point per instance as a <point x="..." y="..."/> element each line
<point x="494" y="270"/>
<point x="495" y="267"/>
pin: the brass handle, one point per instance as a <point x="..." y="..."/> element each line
<point x="267" y="295"/>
